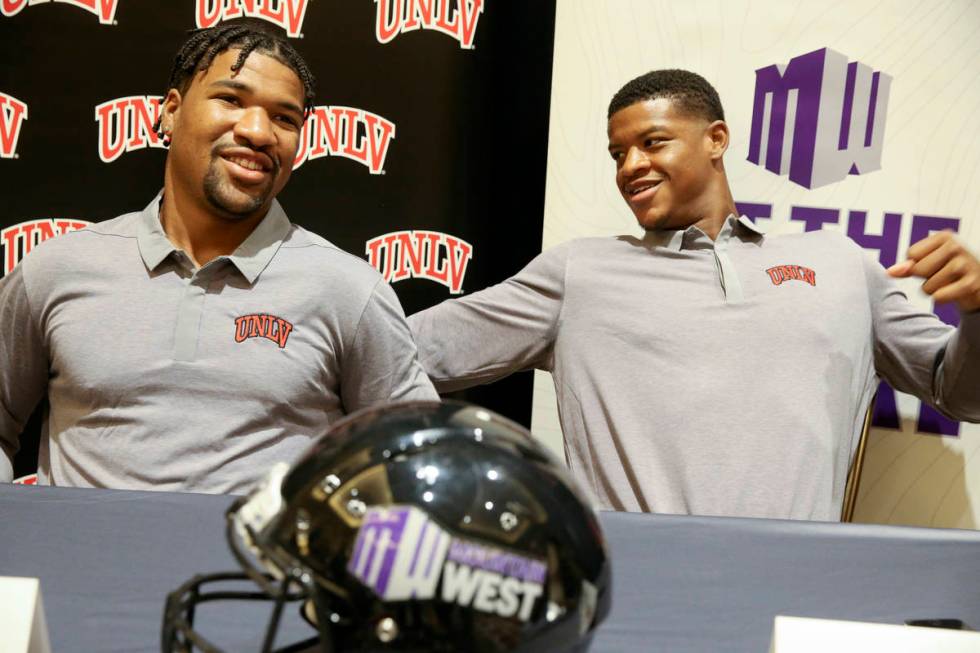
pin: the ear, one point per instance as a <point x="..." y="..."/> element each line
<point x="717" y="137"/>
<point x="170" y="110"/>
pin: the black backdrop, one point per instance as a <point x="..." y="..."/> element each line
<point x="467" y="159"/>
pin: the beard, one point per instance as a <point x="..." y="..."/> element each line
<point x="231" y="202"/>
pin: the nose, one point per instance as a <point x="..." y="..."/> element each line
<point x="255" y="127"/>
<point x="635" y="161"/>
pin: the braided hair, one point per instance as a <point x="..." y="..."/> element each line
<point x="246" y="35"/>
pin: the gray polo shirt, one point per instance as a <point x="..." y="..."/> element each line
<point x="164" y="376"/>
<point x="727" y="377"/>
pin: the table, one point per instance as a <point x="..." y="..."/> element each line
<point x="107" y="558"/>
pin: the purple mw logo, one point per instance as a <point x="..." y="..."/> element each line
<point x="399" y="553"/>
<point x="819" y="118"/>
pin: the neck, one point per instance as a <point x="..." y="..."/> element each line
<point x="715" y="213"/>
<point x="202" y="234"/>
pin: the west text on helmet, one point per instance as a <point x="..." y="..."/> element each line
<point x="488" y="591"/>
<point x="104" y="9"/>
<point x="492" y="580"/>
<point x="287" y="14"/>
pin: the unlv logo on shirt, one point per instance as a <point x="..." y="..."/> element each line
<point x="287" y="14"/>
<point x="13" y="113"/>
<point x="104" y="9"/>
<point x="126" y="124"/>
<point x="398" y="16"/>
<point x="351" y="133"/>
<point x="780" y="273"/>
<point x="421" y="254"/>
<point x="18" y="240"/>
<point x="263" y="325"/>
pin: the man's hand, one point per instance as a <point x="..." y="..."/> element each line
<point x="951" y="272"/>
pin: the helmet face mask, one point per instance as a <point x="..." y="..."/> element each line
<point x="420" y="527"/>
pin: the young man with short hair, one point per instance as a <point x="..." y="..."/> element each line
<point x="687" y="380"/>
<point x="232" y="337"/>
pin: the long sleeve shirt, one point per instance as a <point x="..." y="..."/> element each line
<point x="726" y="377"/>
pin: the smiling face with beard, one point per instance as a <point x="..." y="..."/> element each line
<point x="235" y="134"/>
<point x="225" y="198"/>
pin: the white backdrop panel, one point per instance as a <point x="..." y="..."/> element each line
<point x="930" y="165"/>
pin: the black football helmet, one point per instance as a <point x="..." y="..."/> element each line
<point x="417" y="527"/>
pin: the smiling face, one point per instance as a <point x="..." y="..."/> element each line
<point x="668" y="163"/>
<point x="234" y="134"/>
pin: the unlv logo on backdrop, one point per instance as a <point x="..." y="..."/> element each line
<point x="18" y="240"/>
<point x="126" y="124"/>
<point x="819" y="118"/>
<point x="351" y="133"/>
<point x="13" y="113"/>
<point x="104" y="9"/>
<point x="287" y="14"/>
<point x="421" y="254"/>
<point x="457" y="18"/>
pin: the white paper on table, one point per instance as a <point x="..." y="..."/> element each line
<point x="806" y="635"/>
<point x="22" y="616"/>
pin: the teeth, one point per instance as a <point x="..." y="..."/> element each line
<point x="246" y="163"/>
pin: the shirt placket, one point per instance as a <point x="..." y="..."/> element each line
<point x="727" y="274"/>
<point x="190" y="313"/>
<point x="728" y="279"/>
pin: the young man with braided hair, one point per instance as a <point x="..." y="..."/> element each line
<point x="688" y="380"/>
<point x="238" y="337"/>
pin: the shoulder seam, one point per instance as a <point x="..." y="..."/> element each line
<point x="333" y="248"/>
<point x="360" y="318"/>
<point x="31" y="312"/>
<point x="553" y="334"/>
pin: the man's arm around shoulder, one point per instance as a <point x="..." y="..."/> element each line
<point x="506" y="328"/>
<point x="381" y="364"/>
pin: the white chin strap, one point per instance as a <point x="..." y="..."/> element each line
<point x="262" y="505"/>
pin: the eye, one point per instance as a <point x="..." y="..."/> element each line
<point x="651" y="142"/>
<point x="616" y="155"/>
<point x="288" y="120"/>
<point x="229" y="99"/>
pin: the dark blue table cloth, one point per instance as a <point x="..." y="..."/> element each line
<point x="107" y="559"/>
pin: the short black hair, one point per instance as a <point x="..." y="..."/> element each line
<point x="690" y="91"/>
<point x="247" y="35"/>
